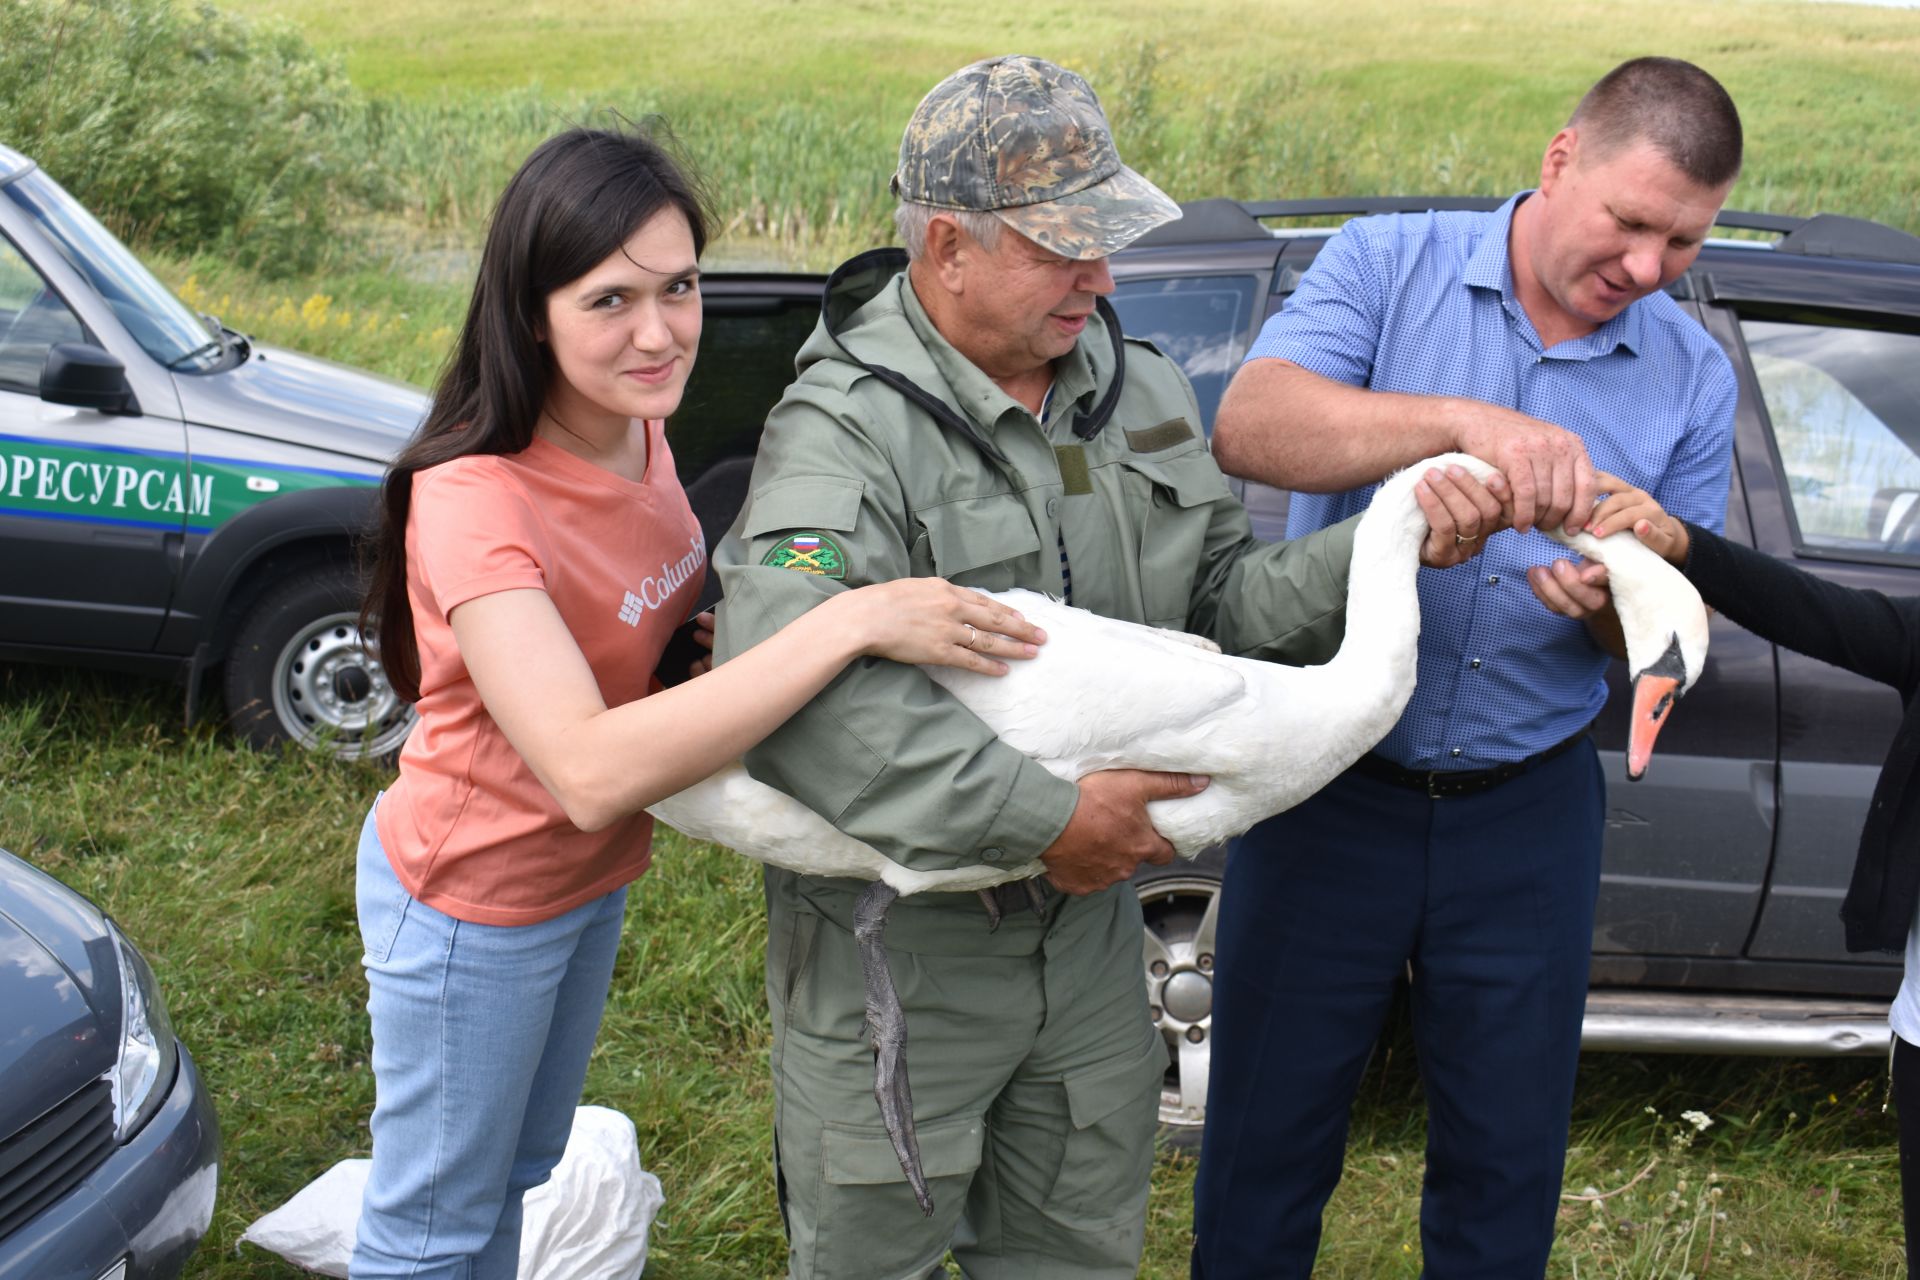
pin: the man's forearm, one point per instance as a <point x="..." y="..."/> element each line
<point x="1285" y="426"/>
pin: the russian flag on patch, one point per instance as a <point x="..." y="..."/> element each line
<point x="806" y="544"/>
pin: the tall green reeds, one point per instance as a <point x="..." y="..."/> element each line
<point x="186" y="125"/>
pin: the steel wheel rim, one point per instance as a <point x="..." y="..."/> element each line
<point x="307" y="697"/>
<point x="1179" y="954"/>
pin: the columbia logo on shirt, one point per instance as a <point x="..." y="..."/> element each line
<point x="657" y="590"/>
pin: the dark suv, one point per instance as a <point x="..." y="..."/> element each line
<point x="1724" y="868"/>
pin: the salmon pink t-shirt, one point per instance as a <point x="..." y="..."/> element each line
<point x="468" y="828"/>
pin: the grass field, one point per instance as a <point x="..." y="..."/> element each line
<point x="796" y="107"/>
<point x="234" y="870"/>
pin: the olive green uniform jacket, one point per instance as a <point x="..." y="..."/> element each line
<point x="1150" y="531"/>
<point x="1036" y="1070"/>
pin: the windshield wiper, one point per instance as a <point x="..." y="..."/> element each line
<point x="214" y="346"/>
<point x="210" y="348"/>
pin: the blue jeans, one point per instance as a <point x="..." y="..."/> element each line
<point x="1490" y="897"/>
<point x="481" y="1035"/>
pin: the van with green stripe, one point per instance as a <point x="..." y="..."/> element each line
<point x="176" y="499"/>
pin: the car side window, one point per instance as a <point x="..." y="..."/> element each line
<point x="746" y="362"/>
<point x="1201" y="322"/>
<point x="1844" y="403"/>
<point x="32" y="319"/>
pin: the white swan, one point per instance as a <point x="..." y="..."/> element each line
<point x="1105" y="694"/>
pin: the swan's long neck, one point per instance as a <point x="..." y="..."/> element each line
<point x="1383" y="600"/>
<point x="1649" y="595"/>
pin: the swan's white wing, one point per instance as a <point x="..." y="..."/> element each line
<point x="752" y="818"/>
<point x="1099" y="689"/>
<point x="1102" y="694"/>
<point x="734" y="810"/>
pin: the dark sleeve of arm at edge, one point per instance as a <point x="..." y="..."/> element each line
<point x="1865" y="632"/>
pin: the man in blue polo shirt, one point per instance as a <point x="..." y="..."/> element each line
<point x="1466" y="849"/>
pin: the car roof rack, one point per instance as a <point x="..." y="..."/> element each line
<point x="1833" y="235"/>
<point x="1824" y="235"/>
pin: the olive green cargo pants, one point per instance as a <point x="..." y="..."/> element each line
<point x="1035" y="1073"/>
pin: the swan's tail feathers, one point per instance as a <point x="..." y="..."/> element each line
<point x="887" y="1031"/>
<point x="1654" y="692"/>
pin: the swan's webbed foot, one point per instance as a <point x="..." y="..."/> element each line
<point x="887" y="1030"/>
<point x="991" y="901"/>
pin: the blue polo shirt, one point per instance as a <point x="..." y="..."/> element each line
<point x="1424" y="304"/>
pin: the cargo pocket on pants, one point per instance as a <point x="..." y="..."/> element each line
<point x="869" y="1223"/>
<point x="1109" y="1153"/>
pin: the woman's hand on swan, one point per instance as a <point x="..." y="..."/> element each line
<point x="1629" y="508"/>
<point x="1461" y="514"/>
<point x="931" y="621"/>
<point x="1110" y="834"/>
<point x="1582" y="590"/>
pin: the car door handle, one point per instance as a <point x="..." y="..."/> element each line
<point x="1763" y="785"/>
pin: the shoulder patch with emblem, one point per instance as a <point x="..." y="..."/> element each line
<point x="813" y="553"/>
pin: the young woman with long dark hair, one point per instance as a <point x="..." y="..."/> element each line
<point x="535" y="553"/>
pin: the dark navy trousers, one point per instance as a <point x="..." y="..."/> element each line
<point x="1490" y="898"/>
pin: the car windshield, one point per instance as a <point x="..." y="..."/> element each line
<point x="164" y="326"/>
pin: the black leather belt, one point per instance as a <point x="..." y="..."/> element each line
<point x="1441" y="784"/>
<point x="1016" y="895"/>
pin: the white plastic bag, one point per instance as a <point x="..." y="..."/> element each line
<point x="589" y="1221"/>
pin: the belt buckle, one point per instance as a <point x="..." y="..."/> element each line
<point x="1433" y="785"/>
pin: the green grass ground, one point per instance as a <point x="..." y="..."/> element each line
<point x="233" y="871"/>
<point x="796" y="107"/>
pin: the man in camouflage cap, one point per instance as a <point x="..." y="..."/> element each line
<point x="969" y="409"/>
<point x="1026" y="140"/>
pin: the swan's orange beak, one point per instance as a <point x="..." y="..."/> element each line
<point x="1653" y="697"/>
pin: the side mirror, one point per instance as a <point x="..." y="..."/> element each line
<point x="82" y="375"/>
<point x="1894" y="518"/>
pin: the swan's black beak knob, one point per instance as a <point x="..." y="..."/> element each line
<point x="1655" y="690"/>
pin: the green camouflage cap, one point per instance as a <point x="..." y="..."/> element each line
<point x="1025" y="140"/>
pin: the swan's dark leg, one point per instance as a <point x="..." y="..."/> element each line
<point x="991" y="902"/>
<point x="887" y="1029"/>
<point x="1036" y="896"/>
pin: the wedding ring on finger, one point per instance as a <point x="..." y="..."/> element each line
<point x="973" y="635"/>
<point x="1461" y="540"/>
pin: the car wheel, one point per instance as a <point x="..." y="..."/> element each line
<point x="1180" y="906"/>
<point x="300" y="671"/>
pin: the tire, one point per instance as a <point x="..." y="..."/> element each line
<point x="1179" y="903"/>
<point x="300" y="672"/>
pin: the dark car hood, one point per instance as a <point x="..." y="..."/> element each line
<point x="57" y="971"/>
<point x="283" y="395"/>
